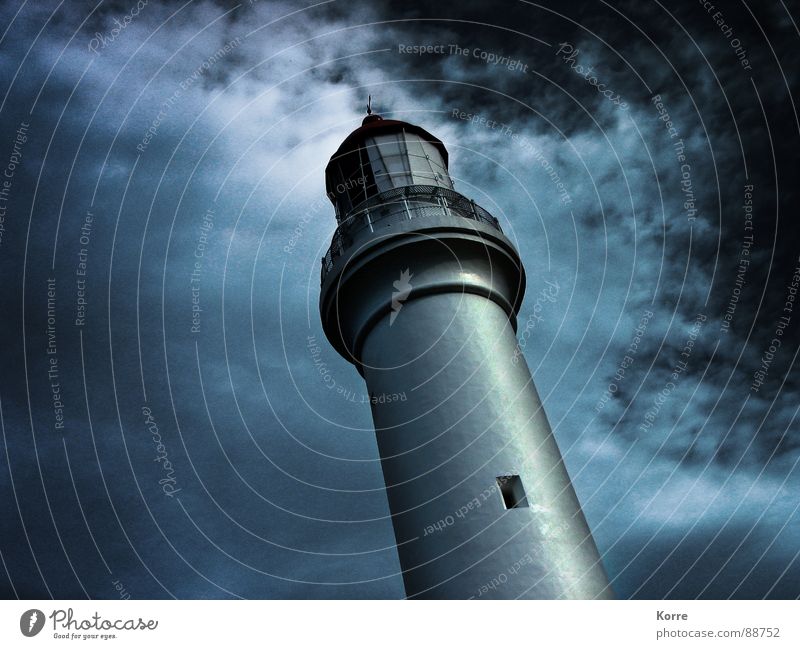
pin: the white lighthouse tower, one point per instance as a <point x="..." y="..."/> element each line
<point x="420" y="291"/>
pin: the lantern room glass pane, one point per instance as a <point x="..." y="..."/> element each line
<point x="385" y="162"/>
<point x="420" y="165"/>
<point x="401" y="159"/>
<point x="389" y="160"/>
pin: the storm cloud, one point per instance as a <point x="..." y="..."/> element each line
<point x="173" y="418"/>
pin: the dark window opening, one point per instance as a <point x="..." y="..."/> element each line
<point x="512" y="491"/>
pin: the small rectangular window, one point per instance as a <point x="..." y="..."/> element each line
<point x="512" y="491"/>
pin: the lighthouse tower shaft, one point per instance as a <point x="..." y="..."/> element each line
<point x="420" y="291"/>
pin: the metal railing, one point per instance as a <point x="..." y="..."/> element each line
<point x="409" y="203"/>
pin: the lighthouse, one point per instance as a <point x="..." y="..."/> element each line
<point x="420" y="291"/>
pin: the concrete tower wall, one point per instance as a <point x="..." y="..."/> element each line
<point x="471" y="416"/>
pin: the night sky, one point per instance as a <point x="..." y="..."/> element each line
<point x="169" y="429"/>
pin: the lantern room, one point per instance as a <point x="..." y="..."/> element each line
<point x="380" y="155"/>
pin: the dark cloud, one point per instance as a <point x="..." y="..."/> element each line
<point x="280" y="491"/>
